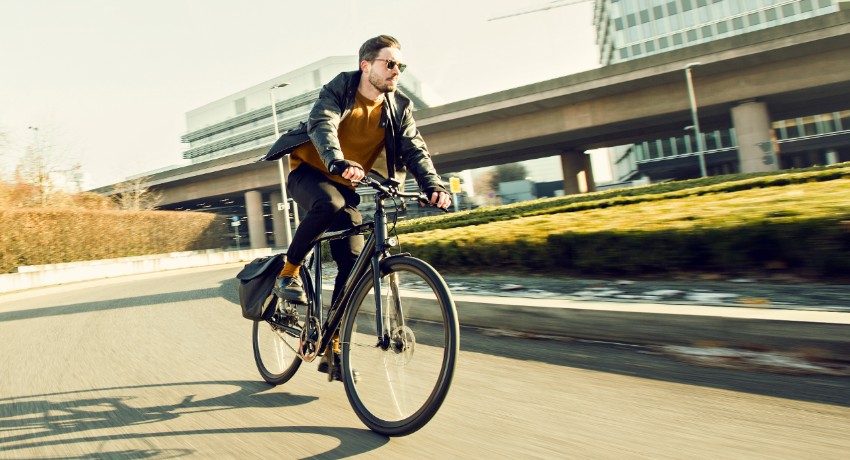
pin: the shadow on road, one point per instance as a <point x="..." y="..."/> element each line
<point x="228" y="290"/>
<point x="62" y="414"/>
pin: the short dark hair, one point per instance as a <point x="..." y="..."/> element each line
<point x="373" y="46"/>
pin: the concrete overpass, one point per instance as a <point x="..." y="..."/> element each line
<point x="746" y="81"/>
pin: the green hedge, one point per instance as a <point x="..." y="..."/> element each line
<point x="37" y="236"/>
<point x="803" y="227"/>
<point x="629" y="196"/>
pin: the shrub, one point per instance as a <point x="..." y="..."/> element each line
<point x="45" y="236"/>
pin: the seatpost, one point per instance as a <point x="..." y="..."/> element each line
<point x="317" y="282"/>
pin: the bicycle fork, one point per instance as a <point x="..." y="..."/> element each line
<point x="384" y="313"/>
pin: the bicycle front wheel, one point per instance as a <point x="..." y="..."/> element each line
<point x="397" y="379"/>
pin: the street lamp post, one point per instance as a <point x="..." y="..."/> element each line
<point x="695" y="118"/>
<point x="283" y="170"/>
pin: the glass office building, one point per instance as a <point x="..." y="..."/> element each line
<point x="631" y="29"/>
<point x="635" y="29"/>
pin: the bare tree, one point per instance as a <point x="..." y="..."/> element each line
<point x="5" y="188"/>
<point x="43" y="172"/>
<point x="136" y="195"/>
<point x="35" y="173"/>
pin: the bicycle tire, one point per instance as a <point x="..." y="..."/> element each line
<point x="273" y="347"/>
<point x="398" y="389"/>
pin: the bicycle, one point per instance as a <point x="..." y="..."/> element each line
<point x="397" y="323"/>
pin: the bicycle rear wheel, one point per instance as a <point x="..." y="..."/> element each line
<point x="397" y="384"/>
<point x="277" y="339"/>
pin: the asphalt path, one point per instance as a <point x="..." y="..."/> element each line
<point x="161" y="366"/>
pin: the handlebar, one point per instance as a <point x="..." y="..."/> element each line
<point x="392" y="191"/>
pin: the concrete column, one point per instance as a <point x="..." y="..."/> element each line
<point x="752" y="127"/>
<point x="278" y="219"/>
<point x="256" y="223"/>
<point x="831" y="156"/>
<point x="578" y="173"/>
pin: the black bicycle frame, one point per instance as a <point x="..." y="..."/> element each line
<point x="374" y="250"/>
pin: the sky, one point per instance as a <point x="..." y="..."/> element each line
<point x="107" y="83"/>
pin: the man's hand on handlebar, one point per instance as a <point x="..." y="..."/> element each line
<point x="347" y="169"/>
<point x="354" y="174"/>
<point x="441" y="200"/>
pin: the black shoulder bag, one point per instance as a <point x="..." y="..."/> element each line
<point x="255" y="286"/>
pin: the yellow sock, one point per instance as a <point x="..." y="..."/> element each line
<point x="289" y="269"/>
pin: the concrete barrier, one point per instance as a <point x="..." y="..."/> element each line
<point x="45" y="275"/>
<point x="825" y="334"/>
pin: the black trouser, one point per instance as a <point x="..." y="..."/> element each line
<point x="329" y="206"/>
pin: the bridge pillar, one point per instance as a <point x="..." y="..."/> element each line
<point x="578" y="173"/>
<point x="256" y="223"/>
<point x="278" y="219"/>
<point x="752" y="128"/>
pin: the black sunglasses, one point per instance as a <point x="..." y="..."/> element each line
<point x="391" y="64"/>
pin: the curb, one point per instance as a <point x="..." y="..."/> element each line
<point x="46" y="275"/>
<point x="819" y="334"/>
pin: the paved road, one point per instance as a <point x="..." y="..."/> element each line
<point x="160" y="366"/>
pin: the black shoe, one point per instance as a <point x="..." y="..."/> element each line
<point x="336" y="374"/>
<point x="290" y="288"/>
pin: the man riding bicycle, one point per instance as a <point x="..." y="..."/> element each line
<point x="359" y="123"/>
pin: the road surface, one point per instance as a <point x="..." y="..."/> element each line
<point x="160" y="366"/>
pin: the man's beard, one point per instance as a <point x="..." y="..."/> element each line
<point x="384" y="86"/>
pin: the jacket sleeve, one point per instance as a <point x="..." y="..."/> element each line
<point x="324" y="120"/>
<point x="414" y="154"/>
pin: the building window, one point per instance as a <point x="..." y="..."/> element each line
<point x="679" y="146"/>
<point x="738" y="23"/>
<point x="827" y="123"/>
<point x="692" y="35"/>
<point x="770" y="14"/>
<point x="779" y="130"/>
<point x="727" y="138"/>
<point x="671" y="8"/>
<point x="792" y="129"/>
<point x="711" y="140"/>
<point x="667" y="149"/>
<point x="806" y="6"/>
<point x="662" y="43"/>
<point x="842" y="120"/>
<point x="754" y="19"/>
<point x="639" y="152"/>
<point x="650" y="46"/>
<point x="706" y="31"/>
<point x="810" y="126"/>
<point x="652" y="148"/>
<point x="677" y="39"/>
<point x="788" y="10"/>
